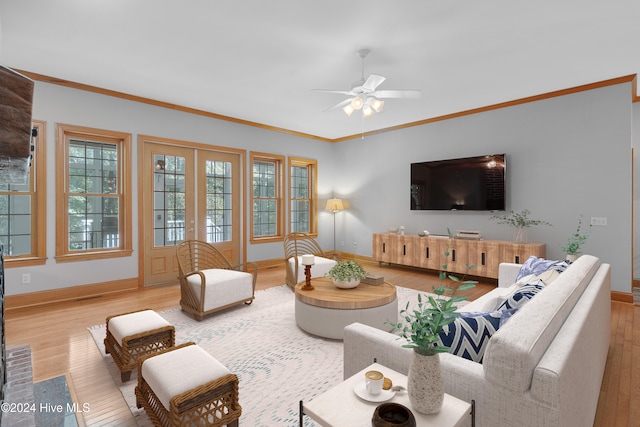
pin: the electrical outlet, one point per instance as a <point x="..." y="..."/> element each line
<point x="26" y="279"/>
<point x="355" y="244"/>
<point x="599" y="220"/>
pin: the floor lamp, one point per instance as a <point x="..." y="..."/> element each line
<point x="334" y="205"/>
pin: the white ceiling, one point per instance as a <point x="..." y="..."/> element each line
<point x="258" y="60"/>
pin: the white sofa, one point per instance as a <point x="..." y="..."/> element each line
<point x="543" y="367"/>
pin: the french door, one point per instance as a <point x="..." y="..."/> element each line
<point x="187" y="193"/>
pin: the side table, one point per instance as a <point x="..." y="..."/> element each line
<point x="341" y="407"/>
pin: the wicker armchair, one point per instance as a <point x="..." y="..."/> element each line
<point x="298" y="244"/>
<point x="208" y="281"/>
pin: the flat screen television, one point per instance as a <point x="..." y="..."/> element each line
<point x="470" y="184"/>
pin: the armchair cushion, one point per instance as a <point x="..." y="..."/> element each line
<point x="223" y="287"/>
<point x="319" y="269"/>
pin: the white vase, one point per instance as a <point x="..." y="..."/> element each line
<point x="424" y="383"/>
<point x="353" y="283"/>
<point x="572" y="257"/>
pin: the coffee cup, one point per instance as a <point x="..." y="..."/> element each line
<point x="373" y="382"/>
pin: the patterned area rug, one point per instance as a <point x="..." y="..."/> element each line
<point x="277" y="363"/>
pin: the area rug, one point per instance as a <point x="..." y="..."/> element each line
<point x="277" y="363"/>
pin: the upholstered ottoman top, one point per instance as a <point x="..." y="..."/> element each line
<point x="177" y="371"/>
<point x="135" y="323"/>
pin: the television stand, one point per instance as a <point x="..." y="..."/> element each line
<point x="428" y="252"/>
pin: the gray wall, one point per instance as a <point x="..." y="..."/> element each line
<point x="566" y="156"/>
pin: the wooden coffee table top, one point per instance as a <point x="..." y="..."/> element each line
<point x="326" y="294"/>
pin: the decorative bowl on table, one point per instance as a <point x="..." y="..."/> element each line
<point x="393" y="415"/>
<point x="353" y="283"/>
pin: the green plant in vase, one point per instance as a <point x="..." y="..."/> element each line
<point x="347" y="272"/>
<point x="520" y="221"/>
<point x="576" y="240"/>
<point x="421" y="332"/>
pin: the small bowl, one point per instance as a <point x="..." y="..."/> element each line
<point x="393" y="415"/>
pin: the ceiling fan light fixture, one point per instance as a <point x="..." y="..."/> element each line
<point x="348" y="110"/>
<point x="367" y="111"/>
<point x="377" y="104"/>
<point x="357" y="103"/>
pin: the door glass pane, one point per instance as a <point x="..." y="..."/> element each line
<point x="168" y="200"/>
<point x="218" y="194"/>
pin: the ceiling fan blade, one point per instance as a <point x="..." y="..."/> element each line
<point x="339" y="105"/>
<point x="341" y="92"/>
<point x="397" y="94"/>
<point x="372" y="82"/>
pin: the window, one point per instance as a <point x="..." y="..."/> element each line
<point x="302" y="194"/>
<point x="93" y="194"/>
<point x="267" y="216"/>
<point x="22" y="210"/>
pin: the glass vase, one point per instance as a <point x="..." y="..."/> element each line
<point x="520" y="235"/>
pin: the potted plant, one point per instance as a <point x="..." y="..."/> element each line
<point x="421" y="332"/>
<point x="347" y="274"/>
<point x="575" y="242"/>
<point x="520" y="221"/>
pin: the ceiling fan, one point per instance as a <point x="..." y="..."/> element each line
<point x="364" y="95"/>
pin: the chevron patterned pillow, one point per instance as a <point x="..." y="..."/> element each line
<point x="469" y="334"/>
<point x="522" y="295"/>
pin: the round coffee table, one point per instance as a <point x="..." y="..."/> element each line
<point x="326" y="310"/>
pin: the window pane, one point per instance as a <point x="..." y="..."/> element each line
<point x="300" y="216"/>
<point x="265" y="216"/>
<point x="169" y="200"/>
<point x="93" y="167"/>
<point x="15" y="224"/>
<point x="299" y="182"/>
<point x="93" y="222"/>
<point x="218" y="201"/>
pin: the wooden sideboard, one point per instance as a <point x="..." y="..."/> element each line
<point x="428" y="252"/>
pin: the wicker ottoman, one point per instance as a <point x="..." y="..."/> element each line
<point x="131" y="335"/>
<point x="186" y="386"/>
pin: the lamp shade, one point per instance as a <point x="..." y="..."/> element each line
<point x="334" y="205"/>
<point x="377" y="104"/>
<point x="357" y="103"/>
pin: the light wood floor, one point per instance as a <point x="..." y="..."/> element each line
<point x="61" y="344"/>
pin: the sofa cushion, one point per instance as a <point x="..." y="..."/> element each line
<point x="522" y="295"/>
<point x="469" y="334"/>
<point x="536" y="266"/>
